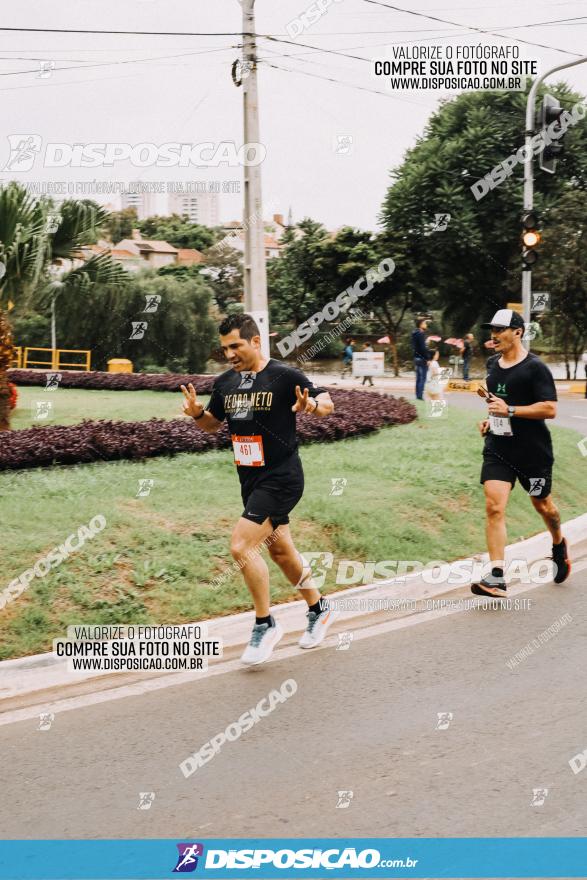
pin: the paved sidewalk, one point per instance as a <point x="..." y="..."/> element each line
<point x="41" y="678"/>
<point x="404" y="385"/>
<point x="439" y="724"/>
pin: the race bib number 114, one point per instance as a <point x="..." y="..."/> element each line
<point x="501" y="425"/>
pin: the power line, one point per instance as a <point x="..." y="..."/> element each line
<point x="240" y="33"/>
<point x="34" y="58"/>
<point x="125" y="33"/>
<point x="348" y="85"/>
<point x="276" y="39"/>
<point x="318" y="49"/>
<point x="113" y="63"/>
<point x="427" y="30"/>
<point x="111" y="50"/>
<point x="467" y="27"/>
<point x="369" y="46"/>
<point x="517" y="27"/>
<point x="308" y="46"/>
<point x="46" y="84"/>
<point x="75" y="82"/>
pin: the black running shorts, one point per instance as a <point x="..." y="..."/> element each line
<point x="273" y="494"/>
<point x="538" y="485"/>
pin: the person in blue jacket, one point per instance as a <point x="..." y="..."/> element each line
<point x="347" y="357"/>
<point x="421" y="355"/>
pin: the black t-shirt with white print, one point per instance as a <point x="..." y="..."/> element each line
<point x="257" y="408"/>
<point x="529" y="381"/>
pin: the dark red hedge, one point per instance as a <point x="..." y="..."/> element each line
<point x="99" y="381"/>
<point x="357" y="412"/>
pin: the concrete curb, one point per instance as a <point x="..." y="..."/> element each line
<point x="29" y="678"/>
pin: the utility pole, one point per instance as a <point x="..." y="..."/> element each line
<point x="529" y="175"/>
<point x="254" y="264"/>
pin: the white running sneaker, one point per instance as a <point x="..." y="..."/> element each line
<point x="263" y="640"/>
<point x="317" y="627"/>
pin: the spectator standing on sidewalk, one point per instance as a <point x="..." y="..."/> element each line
<point x="347" y="357"/>
<point x="367" y="347"/>
<point x="433" y="385"/>
<point x="467" y="354"/>
<point x="421" y="355"/>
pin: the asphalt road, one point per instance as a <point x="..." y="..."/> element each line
<point x="363" y="720"/>
<point x="571" y="411"/>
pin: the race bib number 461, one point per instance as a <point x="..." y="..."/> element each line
<point x="248" y="450"/>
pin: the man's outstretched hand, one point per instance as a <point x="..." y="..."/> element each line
<point x="191" y="407"/>
<point x="304" y="403"/>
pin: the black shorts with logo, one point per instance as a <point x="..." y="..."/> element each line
<point x="538" y="485"/>
<point x="273" y="494"/>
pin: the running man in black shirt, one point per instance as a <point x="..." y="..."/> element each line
<point x="517" y="445"/>
<point x="259" y="398"/>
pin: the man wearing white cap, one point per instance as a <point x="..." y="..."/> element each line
<point x="518" y="445"/>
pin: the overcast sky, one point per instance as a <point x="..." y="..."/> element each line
<point x="112" y="94"/>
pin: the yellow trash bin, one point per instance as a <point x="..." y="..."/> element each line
<point x="119" y="365"/>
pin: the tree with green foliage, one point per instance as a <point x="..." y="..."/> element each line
<point x="32" y="327"/>
<point x="317" y="266"/>
<point x="37" y="243"/>
<point x="294" y="280"/>
<point x="120" y="224"/>
<point x="348" y="256"/>
<point x="473" y="267"/>
<point x="155" y="320"/>
<point x="179" y="232"/>
<point x="174" y="270"/>
<point x="562" y="271"/>
<point x="223" y="269"/>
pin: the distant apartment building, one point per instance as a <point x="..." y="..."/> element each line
<point x="200" y="208"/>
<point x="142" y="202"/>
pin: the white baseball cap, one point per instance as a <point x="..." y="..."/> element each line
<point x="505" y="318"/>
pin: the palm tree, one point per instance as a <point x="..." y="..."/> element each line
<point x="23" y="254"/>
<point x="78" y="222"/>
<point x="6" y="351"/>
<point x="36" y="243"/>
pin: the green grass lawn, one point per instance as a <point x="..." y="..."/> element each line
<point x="72" y="405"/>
<point x="413" y="493"/>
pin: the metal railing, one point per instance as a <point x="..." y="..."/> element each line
<point x="53" y="361"/>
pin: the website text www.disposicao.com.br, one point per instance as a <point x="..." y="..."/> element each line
<point x="328" y="859"/>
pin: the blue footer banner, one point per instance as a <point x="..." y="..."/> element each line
<point x="294" y="857"/>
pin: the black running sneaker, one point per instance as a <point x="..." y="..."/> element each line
<point x="489" y="585"/>
<point x="561" y="562"/>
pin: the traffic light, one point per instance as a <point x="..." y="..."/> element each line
<point x="550" y="112"/>
<point x="530" y="239"/>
